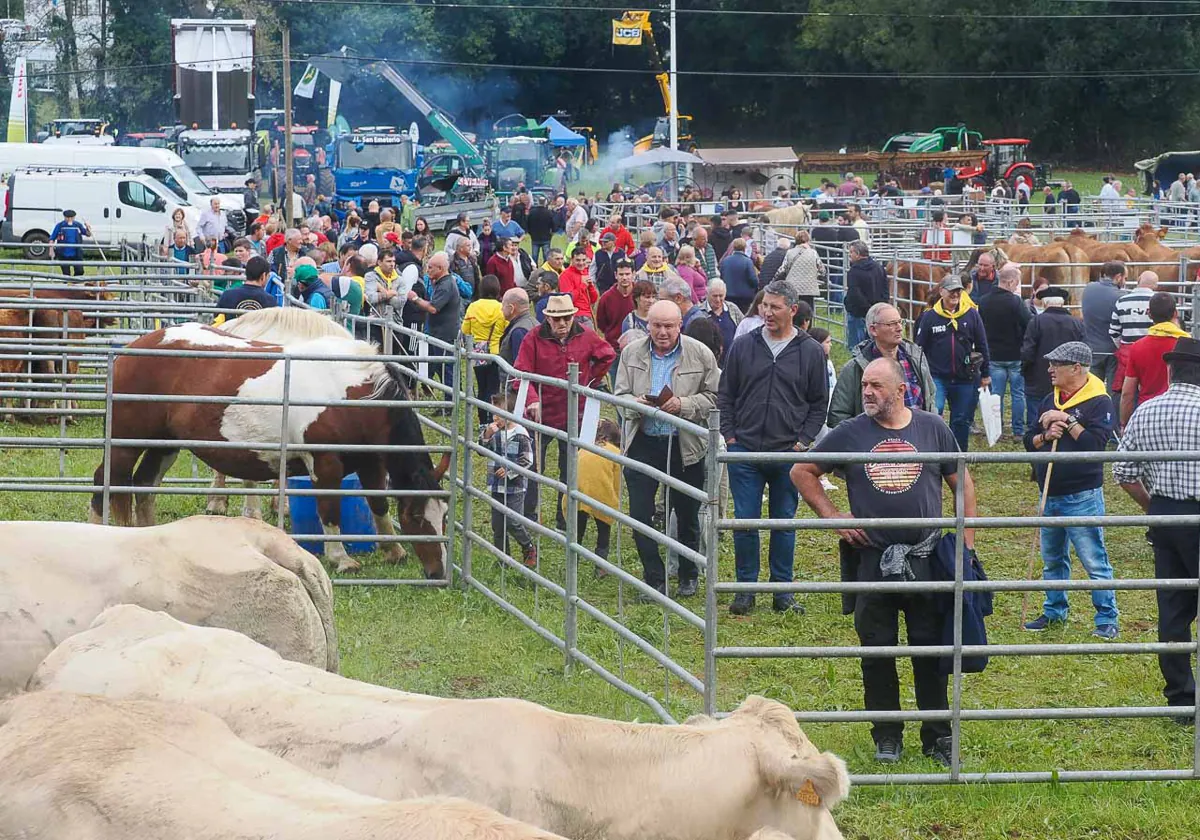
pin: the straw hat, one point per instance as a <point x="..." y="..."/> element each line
<point x="560" y="306"/>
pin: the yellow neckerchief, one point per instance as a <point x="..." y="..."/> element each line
<point x="387" y="278"/>
<point x="1168" y="329"/>
<point x="658" y="270"/>
<point x="1094" y="387"/>
<point x="965" y="305"/>
<point x="362" y="281"/>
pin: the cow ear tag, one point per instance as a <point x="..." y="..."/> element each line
<point x="808" y="794"/>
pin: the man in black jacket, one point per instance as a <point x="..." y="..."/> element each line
<point x="1052" y="327"/>
<point x="1005" y="317"/>
<point x="773" y="398"/>
<point x="866" y="285"/>
<point x="540" y="225"/>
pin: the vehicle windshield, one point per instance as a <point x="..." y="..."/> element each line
<point x="373" y="154"/>
<point x="181" y="180"/>
<point x="518" y="153"/>
<point x="71" y="127"/>
<point x="152" y="143"/>
<point x="302" y="141"/>
<point x="217" y="158"/>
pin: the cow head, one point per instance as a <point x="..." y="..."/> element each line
<point x="800" y="783"/>
<point x="426" y="516"/>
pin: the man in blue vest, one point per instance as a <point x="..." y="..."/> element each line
<point x="313" y="290"/>
<point x="64" y="241"/>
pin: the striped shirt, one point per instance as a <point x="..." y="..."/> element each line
<point x="1169" y="422"/>
<point x="1130" y="317"/>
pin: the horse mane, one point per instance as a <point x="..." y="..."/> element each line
<point x="284" y="325"/>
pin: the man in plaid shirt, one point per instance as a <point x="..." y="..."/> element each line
<point x="1170" y="423"/>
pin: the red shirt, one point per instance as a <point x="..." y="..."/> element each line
<point x="274" y="241"/>
<point x="624" y="239"/>
<point x="1145" y="363"/>
<point x="582" y="292"/>
<point x="502" y="267"/>
<point x="610" y="314"/>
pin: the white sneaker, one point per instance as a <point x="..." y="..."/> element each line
<point x="828" y="485"/>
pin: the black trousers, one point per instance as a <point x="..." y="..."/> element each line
<point x="74" y="269"/>
<point x="1176" y="553"/>
<point x="603" y="532"/>
<point x="877" y="622"/>
<point x="533" y="491"/>
<point x="643" y="491"/>
<point x="487" y="380"/>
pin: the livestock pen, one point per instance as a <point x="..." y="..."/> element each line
<point x="1064" y="710"/>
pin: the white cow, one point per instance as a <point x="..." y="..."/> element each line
<point x="579" y="776"/>
<point x="56" y="577"/>
<point x="89" y="768"/>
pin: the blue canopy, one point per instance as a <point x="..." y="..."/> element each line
<point x="560" y="135"/>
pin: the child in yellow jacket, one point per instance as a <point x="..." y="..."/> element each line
<point x="600" y="478"/>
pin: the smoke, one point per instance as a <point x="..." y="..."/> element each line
<point x="620" y="145"/>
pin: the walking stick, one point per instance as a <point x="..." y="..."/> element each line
<point x="1037" y="531"/>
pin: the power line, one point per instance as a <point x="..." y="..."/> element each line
<point x="485" y="7"/>
<point x="1005" y="75"/>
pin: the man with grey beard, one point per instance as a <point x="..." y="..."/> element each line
<point x="893" y="490"/>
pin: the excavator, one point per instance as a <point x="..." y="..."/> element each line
<point x="662" y="126"/>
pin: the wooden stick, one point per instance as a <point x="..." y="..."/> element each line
<point x="1037" y="531"/>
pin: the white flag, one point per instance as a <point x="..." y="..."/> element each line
<point x="307" y="86"/>
<point x="17" y="107"/>
<point x="335" y="93"/>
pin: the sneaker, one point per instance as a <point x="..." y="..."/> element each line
<point x="529" y="555"/>
<point x="643" y="598"/>
<point x="743" y="603"/>
<point x="1108" y="632"/>
<point x="1040" y="623"/>
<point x="687" y="588"/>
<point x="827" y="485"/>
<point x="939" y="751"/>
<point x="887" y="750"/>
<point x="787" y="604"/>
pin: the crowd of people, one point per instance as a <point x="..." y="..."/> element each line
<point x="696" y="314"/>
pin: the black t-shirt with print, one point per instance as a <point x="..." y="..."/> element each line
<point x="247" y="297"/>
<point x="893" y="489"/>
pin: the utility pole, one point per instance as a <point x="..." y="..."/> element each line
<point x="287" y="128"/>
<point x="674" y="115"/>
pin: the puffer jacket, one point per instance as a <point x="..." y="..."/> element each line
<point x="802" y="268"/>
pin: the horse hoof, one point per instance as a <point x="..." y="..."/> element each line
<point x="395" y="555"/>
<point x="348" y="565"/>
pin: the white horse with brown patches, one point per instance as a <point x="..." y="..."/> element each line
<point x="352" y="373"/>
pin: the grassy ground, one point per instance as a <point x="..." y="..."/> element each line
<point x="450" y="644"/>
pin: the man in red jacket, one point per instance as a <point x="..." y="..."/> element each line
<point x="614" y="306"/>
<point x="617" y="228"/>
<point x="547" y="351"/>
<point x="576" y="281"/>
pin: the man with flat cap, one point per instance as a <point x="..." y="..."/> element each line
<point x="1170" y="422"/>
<point x="1050" y="327"/>
<point x="65" y="240"/>
<point x="1077" y="416"/>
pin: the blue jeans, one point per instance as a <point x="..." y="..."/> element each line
<point x="963" y="397"/>
<point x="1089" y="549"/>
<point x="746" y="483"/>
<point x="542" y="249"/>
<point x="1008" y="375"/>
<point x="1032" y="403"/>
<point x="856" y="330"/>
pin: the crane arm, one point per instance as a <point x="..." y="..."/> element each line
<point x="440" y="122"/>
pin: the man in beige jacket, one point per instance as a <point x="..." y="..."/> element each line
<point x="683" y="370"/>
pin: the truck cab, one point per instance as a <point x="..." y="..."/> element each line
<point x="223" y="159"/>
<point x="374" y="162"/>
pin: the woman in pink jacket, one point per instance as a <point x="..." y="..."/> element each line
<point x="689" y="269"/>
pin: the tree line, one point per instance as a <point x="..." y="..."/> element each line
<point x="821" y="74"/>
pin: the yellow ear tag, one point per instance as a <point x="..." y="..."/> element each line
<point x="808" y="794"/>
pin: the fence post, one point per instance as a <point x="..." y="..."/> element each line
<point x="283" y="441"/>
<point x="712" y="476"/>
<point x="570" y="612"/>
<point x="959" y="558"/>
<point x="105" y="491"/>
<point x="461" y="423"/>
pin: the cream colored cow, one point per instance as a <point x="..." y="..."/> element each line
<point x="56" y="577"/>
<point x="74" y="767"/>
<point x="582" y="777"/>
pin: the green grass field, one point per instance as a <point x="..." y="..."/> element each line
<point x="453" y="644"/>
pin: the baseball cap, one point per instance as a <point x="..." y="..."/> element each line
<point x="609" y="237"/>
<point x="1071" y="353"/>
<point x="952" y="283"/>
<point x="306" y="274"/>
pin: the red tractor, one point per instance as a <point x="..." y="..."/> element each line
<point x="1007" y="159"/>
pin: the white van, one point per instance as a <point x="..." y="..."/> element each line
<point x="162" y="164"/>
<point x="121" y="205"/>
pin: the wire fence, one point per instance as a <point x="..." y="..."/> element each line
<point x="65" y="371"/>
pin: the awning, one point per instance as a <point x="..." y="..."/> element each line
<point x="560" y="135"/>
<point x="656" y="156"/>
<point x="765" y="156"/>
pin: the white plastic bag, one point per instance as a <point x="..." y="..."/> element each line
<point x="989" y="409"/>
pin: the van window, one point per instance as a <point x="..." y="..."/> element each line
<point x="137" y="194"/>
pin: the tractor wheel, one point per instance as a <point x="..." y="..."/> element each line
<point x="325" y="183"/>
<point x="1025" y="170"/>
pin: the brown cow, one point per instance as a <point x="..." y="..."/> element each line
<point x="1048" y="261"/>
<point x="1150" y="240"/>
<point x="915" y="286"/>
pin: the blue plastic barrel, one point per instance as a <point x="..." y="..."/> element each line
<point x="356" y="516"/>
